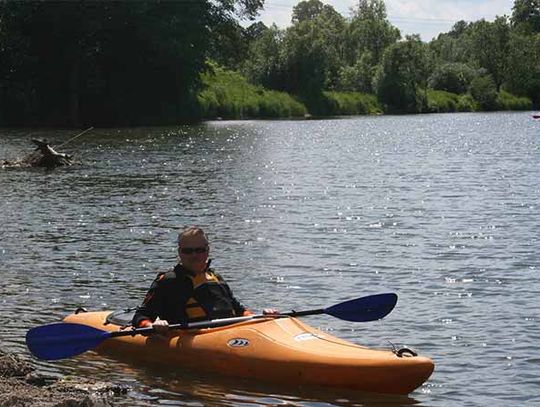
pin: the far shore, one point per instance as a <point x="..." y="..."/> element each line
<point x="307" y="117"/>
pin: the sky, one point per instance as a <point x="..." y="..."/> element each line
<point x="425" y="17"/>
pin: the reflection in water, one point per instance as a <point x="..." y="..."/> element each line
<point x="183" y="387"/>
<point x="442" y="209"/>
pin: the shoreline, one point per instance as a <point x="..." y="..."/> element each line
<point x="267" y="119"/>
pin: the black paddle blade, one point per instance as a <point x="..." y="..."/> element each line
<point x="370" y="308"/>
<point x="63" y="340"/>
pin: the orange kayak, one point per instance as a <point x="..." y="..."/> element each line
<point x="278" y="350"/>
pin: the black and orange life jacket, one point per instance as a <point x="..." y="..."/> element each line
<point x="211" y="298"/>
<point x="178" y="297"/>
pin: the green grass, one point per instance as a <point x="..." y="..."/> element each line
<point x="228" y="95"/>
<point x="351" y="103"/>
<point x="507" y="101"/>
<point x="440" y="101"/>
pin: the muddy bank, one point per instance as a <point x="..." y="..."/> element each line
<point x="20" y="385"/>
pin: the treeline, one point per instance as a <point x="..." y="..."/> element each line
<point x="115" y="63"/>
<point x="476" y="66"/>
<point x="107" y="63"/>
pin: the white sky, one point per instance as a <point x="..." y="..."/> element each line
<point x="425" y="17"/>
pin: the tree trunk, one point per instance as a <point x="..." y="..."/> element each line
<point x="74" y="93"/>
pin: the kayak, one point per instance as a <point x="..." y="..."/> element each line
<point x="273" y="350"/>
<point x="536" y="116"/>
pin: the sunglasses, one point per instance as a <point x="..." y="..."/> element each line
<point x="191" y="250"/>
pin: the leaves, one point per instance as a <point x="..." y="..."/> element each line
<point x="402" y="75"/>
<point x="107" y="63"/>
<point x="526" y="16"/>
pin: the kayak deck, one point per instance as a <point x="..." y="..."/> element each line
<point x="279" y="350"/>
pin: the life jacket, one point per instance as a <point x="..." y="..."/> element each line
<point x="179" y="297"/>
<point x="211" y="298"/>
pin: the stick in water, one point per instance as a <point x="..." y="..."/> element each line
<point x="78" y="135"/>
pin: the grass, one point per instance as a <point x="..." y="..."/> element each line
<point x="507" y="101"/>
<point x="440" y="101"/>
<point x="351" y="103"/>
<point x="228" y="95"/>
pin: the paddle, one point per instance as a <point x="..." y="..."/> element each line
<point x="63" y="340"/>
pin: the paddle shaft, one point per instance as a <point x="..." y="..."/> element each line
<point x="216" y="323"/>
<point x="303" y="313"/>
<point x="194" y="325"/>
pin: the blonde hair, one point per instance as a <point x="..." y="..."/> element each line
<point x="191" y="231"/>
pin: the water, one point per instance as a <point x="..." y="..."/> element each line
<point x="441" y="209"/>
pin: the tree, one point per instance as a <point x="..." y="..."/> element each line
<point x="454" y="46"/>
<point x="458" y="29"/>
<point x="402" y="75"/>
<point x="452" y="77"/>
<point x="255" y="31"/>
<point x="229" y="41"/>
<point x="305" y="60"/>
<point x="526" y="15"/>
<point x="484" y="91"/>
<point x="244" y="9"/>
<point x="331" y="26"/>
<point x="358" y="77"/>
<point x="229" y="45"/>
<point x="524" y="64"/>
<point x="490" y="47"/>
<point x="265" y="62"/>
<point x="370" y="10"/>
<point x="106" y="63"/>
<point x="307" y="10"/>
<point x="369" y="31"/>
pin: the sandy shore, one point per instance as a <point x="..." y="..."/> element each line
<point x="21" y="386"/>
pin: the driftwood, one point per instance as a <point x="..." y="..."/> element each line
<point x="43" y="156"/>
<point x="49" y="157"/>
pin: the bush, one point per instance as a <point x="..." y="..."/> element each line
<point x="440" y="101"/>
<point x="399" y="77"/>
<point x="507" y="101"/>
<point x="351" y="103"/>
<point x="452" y="77"/>
<point x="484" y="92"/>
<point x="279" y="104"/>
<point x="228" y="94"/>
<point x="358" y="77"/>
<point x="466" y="103"/>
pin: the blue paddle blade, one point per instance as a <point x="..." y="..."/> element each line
<point x="370" y="308"/>
<point x="63" y="340"/>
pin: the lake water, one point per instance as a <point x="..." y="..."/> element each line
<point x="441" y="209"/>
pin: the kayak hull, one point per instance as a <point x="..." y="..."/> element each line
<point x="282" y="350"/>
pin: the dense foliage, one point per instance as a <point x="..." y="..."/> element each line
<point x="228" y="95"/>
<point x="150" y="62"/>
<point x="324" y="51"/>
<point x="106" y="62"/>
